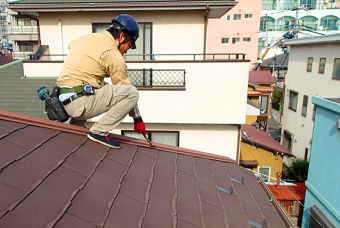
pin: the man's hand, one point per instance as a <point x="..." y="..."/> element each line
<point x="139" y="125"/>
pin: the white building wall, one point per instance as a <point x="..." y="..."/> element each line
<point x="173" y="33"/>
<point x="215" y="139"/>
<point x="310" y="84"/>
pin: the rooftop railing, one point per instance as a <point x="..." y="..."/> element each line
<point x="155" y="57"/>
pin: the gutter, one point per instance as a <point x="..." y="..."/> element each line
<point x="207" y="10"/>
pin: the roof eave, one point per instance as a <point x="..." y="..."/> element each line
<point x="216" y="8"/>
<point x="271" y="149"/>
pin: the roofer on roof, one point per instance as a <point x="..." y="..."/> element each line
<point x="83" y="92"/>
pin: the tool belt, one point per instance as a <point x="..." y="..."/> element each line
<point x="55" y="110"/>
<point x="79" y="90"/>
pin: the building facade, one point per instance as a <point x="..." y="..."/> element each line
<point x="237" y="31"/>
<point x="322" y="205"/>
<point x="313" y="70"/>
<point x="185" y="98"/>
<point x="306" y="17"/>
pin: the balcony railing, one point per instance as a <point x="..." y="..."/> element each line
<point x="157" y="78"/>
<point x="23" y="30"/>
<point x="158" y="57"/>
<point x="21" y="54"/>
<point x="291" y="6"/>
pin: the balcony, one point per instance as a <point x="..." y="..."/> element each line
<point x="291" y="6"/>
<point x="20" y="30"/>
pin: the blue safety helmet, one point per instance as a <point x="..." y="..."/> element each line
<point x="130" y="25"/>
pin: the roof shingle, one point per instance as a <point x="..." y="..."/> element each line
<point x="56" y="177"/>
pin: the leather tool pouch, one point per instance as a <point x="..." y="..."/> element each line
<point x="54" y="108"/>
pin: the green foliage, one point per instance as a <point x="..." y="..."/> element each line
<point x="277" y="95"/>
<point x="296" y="170"/>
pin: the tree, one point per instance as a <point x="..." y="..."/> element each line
<point x="277" y="95"/>
<point x="296" y="169"/>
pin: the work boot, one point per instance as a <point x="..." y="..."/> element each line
<point x="105" y="140"/>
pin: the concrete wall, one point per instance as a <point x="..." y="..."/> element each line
<point x="310" y="84"/>
<point x="324" y="173"/>
<point x="223" y="28"/>
<point x="181" y="32"/>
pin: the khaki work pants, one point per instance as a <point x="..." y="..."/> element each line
<point x="116" y="100"/>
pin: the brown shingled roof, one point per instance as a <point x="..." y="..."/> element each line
<point x="261" y="77"/>
<point x="53" y="176"/>
<point x="262" y="139"/>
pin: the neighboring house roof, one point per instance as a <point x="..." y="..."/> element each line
<point x="52" y="175"/>
<point x="263" y="140"/>
<point x="215" y="9"/>
<point x="323" y="39"/>
<point x="19" y="94"/>
<point x="280" y="61"/>
<point x="282" y="193"/>
<point x="4" y="59"/>
<point x="261" y="77"/>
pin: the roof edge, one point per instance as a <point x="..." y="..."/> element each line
<point x="21" y="118"/>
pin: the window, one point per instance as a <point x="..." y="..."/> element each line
<point x="143" y="49"/>
<point x="287" y="140"/>
<point x="228" y="17"/>
<point x="225" y="40"/>
<point x="293" y="97"/>
<point x="322" y="64"/>
<point x="336" y="70"/>
<point x="237" y="17"/>
<point x="265" y="173"/>
<point x="248" y="15"/>
<point x="306" y="154"/>
<point x="246" y="39"/>
<point x="169" y="138"/>
<point x="313" y="116"/>
<point x="24" y="22"/>
<point x="304" y="105"/>
<point x="309" y="64"/>
<point x="25" y="47"/>
<point x="236" y="40"/>
<point x="263" y="102"/>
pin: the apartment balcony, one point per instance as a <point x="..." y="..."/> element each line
<point x="21" y="54"/>
<point x="291" y="6"/>
<point x="23" y="33"/>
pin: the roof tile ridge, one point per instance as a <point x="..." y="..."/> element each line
<point x="174" y="210"/>
<point x="199" y="197"/>
<point x="30" y="120"/>
<point x="225" y="218"/>
<point x="110" y="204"/>
<point x="147" y="195"/>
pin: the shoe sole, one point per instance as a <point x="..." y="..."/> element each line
<point x="96" y="140"/>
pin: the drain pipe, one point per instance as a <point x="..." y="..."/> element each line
<point x="205" y="31"/>
<point x="60" y="25"/>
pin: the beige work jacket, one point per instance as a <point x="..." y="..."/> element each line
<point x="90" y="59"/>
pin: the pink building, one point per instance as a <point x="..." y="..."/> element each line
<point x="237" y="31"/>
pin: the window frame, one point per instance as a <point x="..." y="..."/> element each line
<point x="237" y="17"/>
<point x="304" y="105"/>
<point x="336" y="69"/>
<point x="228" y="17"/>
<point x="309" y="64"/>
<point x="236" y="38"/>
<point x="225" y="38"/>
<point x="148" y="134"/>
<point x="291" y="104"/>
<point x="322" y="66"/>
<point x="248" y="16"/>
<point x="245" y="39"/>
<point x="268" y="176"/>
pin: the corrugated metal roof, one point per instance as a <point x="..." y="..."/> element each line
<point x="53" y="176"/>
<point x="292" y="193"/>
<point x="19" y="94"/>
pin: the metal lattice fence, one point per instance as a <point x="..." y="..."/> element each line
<point x="157" y="78"/>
